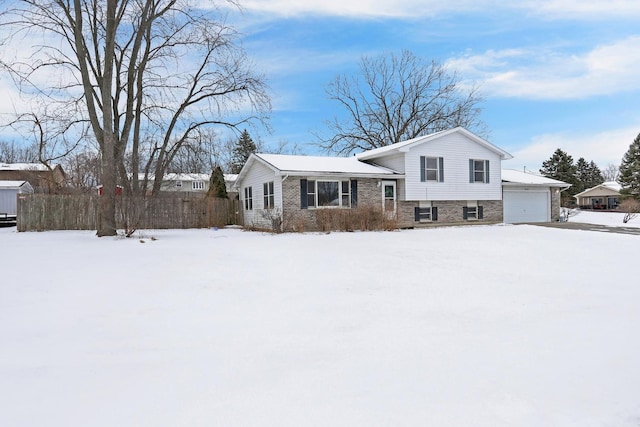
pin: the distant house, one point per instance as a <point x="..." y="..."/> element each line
<point x="603" y="196"/>
<point x="191" y="182"/>
<point x="449" y="177"/>
<point x="41" y="178"/>
<point x="198" y="182"/>
<point x="528" y="197"/>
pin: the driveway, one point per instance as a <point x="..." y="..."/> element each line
<point x="589" y="227"/>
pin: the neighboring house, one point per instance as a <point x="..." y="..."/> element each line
<point x="451" y="176"/>
<point x="603" y="196"/>
<point x="191" y="182"/>
<point x="38" y="175"/>
<point x="9" y="191"/>
<point x="528" y="197"/>
<point x="198" y="182"/>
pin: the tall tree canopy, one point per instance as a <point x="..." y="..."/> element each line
<point x="629" y="176"/>
<point x="241" y="151"/>
<point x="398" y="97"/>
<point x="144" y="76"/>
<point x="588" y="175"/>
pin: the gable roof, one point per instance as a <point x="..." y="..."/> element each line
<point x="515" y="177"/>
<point x="608" y="185"/>
<point x="284" y="164"/>
<point x="405" y="146"/>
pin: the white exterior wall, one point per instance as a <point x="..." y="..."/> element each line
<point x="395" y="162"/>
<point x="256" y="176"/>
<point x="456" y="150"/>
<point x="9" y="201"/>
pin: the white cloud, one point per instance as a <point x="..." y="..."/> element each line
<point x="573" y="9"/>
<point x="567" y="9"/>
<point x="603" y="148"/>
<point x="548" y="74"/>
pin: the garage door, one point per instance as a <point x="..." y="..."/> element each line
<point x="526" y="206"/>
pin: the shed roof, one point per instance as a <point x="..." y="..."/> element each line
<point x="16" y="185"/>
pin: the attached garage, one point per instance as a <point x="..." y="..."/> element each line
<point x="523" y="204"/>
<point x="527" y="197"/>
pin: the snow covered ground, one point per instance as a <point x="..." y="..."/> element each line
<point x="469" y="326"/>
<point x="612" y="219"/>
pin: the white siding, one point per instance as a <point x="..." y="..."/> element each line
<point x="257" y="175"/>
<point x="395" y="162"/>
<point x="456" y="150"/>
<point x="9" y="201"/>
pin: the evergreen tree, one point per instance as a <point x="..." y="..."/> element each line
<point x="588" y="175"/>
<point x="629" y="176"/>
<point x="241" y="152"/>
<point x="217" y="187"/>
<point x="560" y="166"/>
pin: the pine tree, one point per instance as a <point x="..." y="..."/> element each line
<point x="629" y="176"/>
<point x="241" y="152"/>
<point x="217" y="187"/>
<point x="560" y="166"/>
<point x="588" y="175"/>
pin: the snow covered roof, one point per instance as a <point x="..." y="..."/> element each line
<point x="615" y="186"/>
<point x="310" y="165"/>
<point x="16" y="185"/>
<point x="611" y="186"/>
<point x="24" y="167"/>
<point x="186" y="177"/>
<point x="406" y="145"/>
<point x="518" y="177"/>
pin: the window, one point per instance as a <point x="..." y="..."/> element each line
<point x="248" y="198"/>
<point x="267" y="191"/>
<point x="431" y="169"/>
<point x="178" y="184"/>
<point x="426" y="213"/>
<point x="327" y="194"/>
<point x="472" y="211"/>
<point x="197" y="185"/>
<point x="478" y="171"/>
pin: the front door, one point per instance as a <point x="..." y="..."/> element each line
<point x="389" y="198"/>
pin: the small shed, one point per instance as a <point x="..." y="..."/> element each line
<point x="9" y="191"/>
<point x="528" y="197"/>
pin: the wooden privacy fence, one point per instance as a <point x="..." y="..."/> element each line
<point x="37" y="212"/>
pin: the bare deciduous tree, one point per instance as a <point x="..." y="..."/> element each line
<point x="396" y="98"/>
<point x="143" y="75"/>
<point x="610" y="173"/>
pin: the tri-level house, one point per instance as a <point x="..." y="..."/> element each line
<point x="453" y="176"/>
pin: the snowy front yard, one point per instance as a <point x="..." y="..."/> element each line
<point x="479" y="326"/>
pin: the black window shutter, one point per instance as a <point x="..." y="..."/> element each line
<point x="354" y="193"/>
<point x="303" y="194"/>
<point x="434" y="214"/>
<point x="465" y="213"/>
<point x="480" y="212"/>
<point x="441" y="169"/>
<point x="470" y="171"/>
<point x="416" y="213"/>
<point x="486" y="171"/>
<point x="423" y="165"/>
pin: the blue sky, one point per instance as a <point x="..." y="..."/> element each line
<point x="555" y="74"/>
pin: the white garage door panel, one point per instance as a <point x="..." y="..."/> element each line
<point x="526" y="206"/>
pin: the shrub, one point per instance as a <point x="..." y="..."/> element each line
<point x="631" y="209"/>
